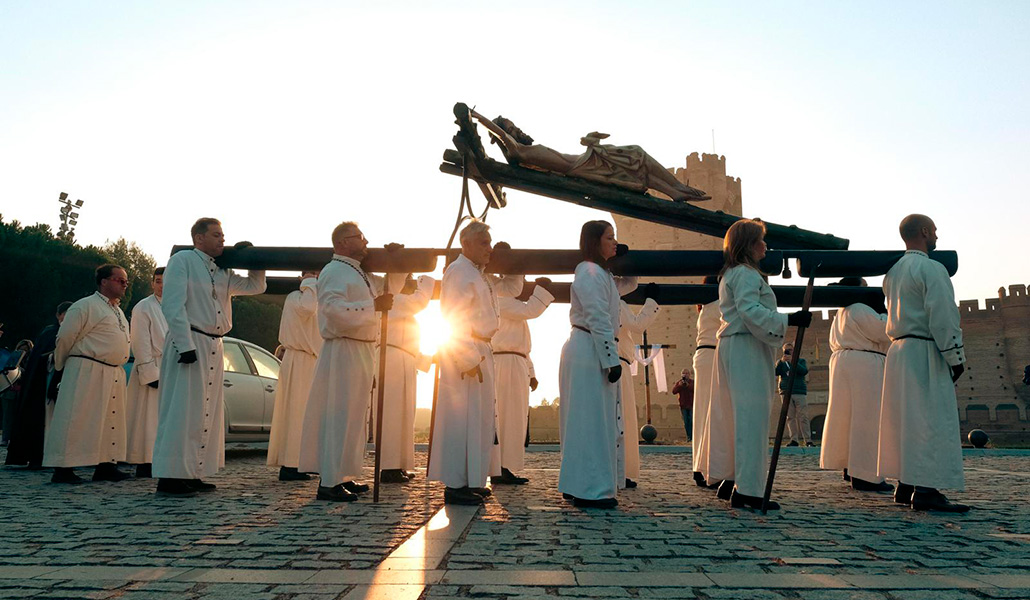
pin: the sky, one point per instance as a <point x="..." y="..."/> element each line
<point x="283" y="119"/>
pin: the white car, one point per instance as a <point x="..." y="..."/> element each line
<point x="251" y="376"/>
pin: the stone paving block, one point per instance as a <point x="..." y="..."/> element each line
<point x="1004" y="580"/>
<point x="777" y="581"/>
<point x="21" y="592"/>
<point x="910" y="582"/>
<point x="1005" y="593"/>
<point x="244" y="576"/>
<point x="643" y="579"/>
<point x="24" y="572"/>
<point x="367" y="577"/>
<point x="385" y="592"/>
<point x="93" y="573"/>
<point x="718" y="593"/>
<point x="544" y="578"/>
<point x="508" y="591"/>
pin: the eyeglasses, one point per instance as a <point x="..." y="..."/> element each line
<point x="356" y="235"/>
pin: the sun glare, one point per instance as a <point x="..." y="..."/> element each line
<point x="433" y="328"/>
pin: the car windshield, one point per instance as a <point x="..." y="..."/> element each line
<point x="266" y="364"/>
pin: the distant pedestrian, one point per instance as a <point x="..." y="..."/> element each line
<point x="799" y="428"/>
<point x="684" y="390"/>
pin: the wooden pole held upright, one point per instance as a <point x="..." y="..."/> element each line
<point x="381" y="386"/>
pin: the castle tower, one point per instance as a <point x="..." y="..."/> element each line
<point x="678" y="324"/>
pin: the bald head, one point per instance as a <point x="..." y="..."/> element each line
<point x="919" y="233"/>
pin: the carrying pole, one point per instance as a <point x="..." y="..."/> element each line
<point x="799" y="338"/>
<point x="383" y="325"/>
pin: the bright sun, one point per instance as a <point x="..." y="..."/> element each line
<point x="433" y="328"/>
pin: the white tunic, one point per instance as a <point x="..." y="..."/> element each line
<point x="632" y="322"/>
<point x="512" y="371"/>
<point x="590" y="407"/>
<point x="197" y="295"/>
<point x="88" y="424"/>
<point x="333" y="439"/>
<point x="149" y="329"/>
<point x="402" y="363"/>
<point x="464" y="451"/>
<point x="298" y="333"/>
<point x="858" y="342"/>
<point x="708" y="322"/>
<point x="749" y="342"/>
<point x="919" y="430"/>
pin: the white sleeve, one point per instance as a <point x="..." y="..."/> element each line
<point x="945" y="327"/>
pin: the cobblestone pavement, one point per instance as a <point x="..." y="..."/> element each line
<point x="263" y="539"/>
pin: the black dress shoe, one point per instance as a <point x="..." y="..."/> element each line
<point x="144" y="471"/>
<point x="175" y="488"/>
<point x="292" y="474"/>
<point x="201" y="486"/>
<point x="355" y="488"/>
<point x="65" y="475"/>
<point x="630" y="484"/>
<point x="508" y="478"/>
<point x="602" y="503"/>
<point x="936" y="501"/>
<point x="903" y="493"/>
<point x="482" y="492"/>
<point x="335" y="494"/>
<point x="699" y="479"/>
<point x="463" y="496"/>
<point x="567" y="496"/>
<point x="861" y="485"/>
<point x="792" y="444"/>
<point x="725" y="489"/>
<point x="393" y="476"/>
<point x="410" y="474"/>
<point x="810" y="444"/>
<point x="753" y="502"/>
<point x="109" y="472"/>
<point x="846" y="476"/>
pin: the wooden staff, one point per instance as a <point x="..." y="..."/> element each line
<point x="432" y="412"/>
<point x="799" y="338"/>
<point x="379" y="394"/>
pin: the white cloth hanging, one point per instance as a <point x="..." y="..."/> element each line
<point x="657" y="358"/>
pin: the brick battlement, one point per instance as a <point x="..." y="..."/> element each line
<point x="1017" y="295"/>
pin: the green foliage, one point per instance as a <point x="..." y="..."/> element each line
<point x="138" y="264"/>
<point x="39" y="272"/>
<point x="256" y="319"/>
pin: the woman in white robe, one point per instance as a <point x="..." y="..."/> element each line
<point x="749" y="341"/>
<point x="592" y="429"/>
<point x="859" y="343"/>
<point x="709" y="319"/>
<point x="301" y="342"/>
<point x="632" y="323"/>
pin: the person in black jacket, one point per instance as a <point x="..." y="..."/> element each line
<point x="26" y="448"/>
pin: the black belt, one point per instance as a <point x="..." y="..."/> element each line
<point x="512" y="352"/>
<point x="581" y="328"/>
<point x="625" y="360"/>
<point x="913" y="336"/>
<point x="210" y="335"/>
<point x="92" y="359"/>
<point x="704" y="346"/>
<point x="869" y="351"/>
<point x="404" y="350"/>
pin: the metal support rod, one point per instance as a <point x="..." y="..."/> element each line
<point x="647" y="380"/>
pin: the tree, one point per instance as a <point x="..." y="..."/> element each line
<point x="138" y="264"/>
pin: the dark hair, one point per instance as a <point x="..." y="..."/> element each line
<point x="63" y="307"/>
<point x="105" y="271"/>
<point x="159" y="271"/>
<point x="590" y="241"/>
<point x="200" y="227"/>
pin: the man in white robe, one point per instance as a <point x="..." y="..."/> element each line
<point x="301" y="343"/>
<point x="851" y="435"/>
<point x="514" y="377"/>
<point x="88" y="426"/>
<point x="403" y="361"/>
<point x="464" y="449"/>
<point x="149" y="330"/>
<point x="709" y="319"/>
<point x="632" y="323"/>
<point x="197" y="304"/>
<point x="333" y="435"/>
<point x="919" y="430"/>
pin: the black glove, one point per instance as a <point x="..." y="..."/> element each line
<point x="533" y="383"/>
<point x="393" y="247"/>
<point x="614" y="373"/>
<point x="384" y="303"/>
<point x="802" y="318"/>
<point x="153" y="384"/>
<point x="544" y="282"/>
<point x="651" y="291"/>
<point x="239" y="245"/>
<point x="188" y="357"/>
<point x="621" y="249"/>
<point x="957" y="371"/>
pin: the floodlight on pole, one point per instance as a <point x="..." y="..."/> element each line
<point x="68" y="218"/>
